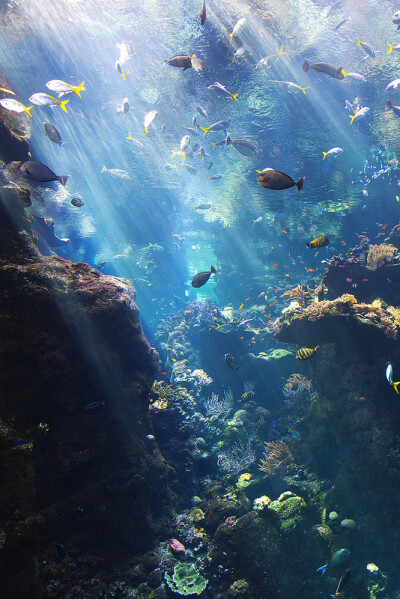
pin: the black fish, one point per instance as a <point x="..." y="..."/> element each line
<point x="230" y="360"/>
<point x="179" y="61"/>
<point x="344" y="579"/>
<point x="51" y="132"/>
<point x="396" y="109"/>
<point x="305" y="353"/>
<point x="325" y="67"/>
<point x="270" y="179"/>
<point x="77" y="202"/>
<point x="203" y="13"/>
<point x="202" y="277"/>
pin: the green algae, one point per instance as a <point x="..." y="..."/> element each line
<point x="290" y="513"/>
<point x="186" y="580"/>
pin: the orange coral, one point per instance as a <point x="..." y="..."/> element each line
<point x="379" y="254"/>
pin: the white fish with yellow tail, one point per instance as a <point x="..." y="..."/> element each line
<point x="332" y="153"/>
<point x="148" y="119"/>
<point x="15" y="106"/>
<point x="292" y="88"/>
<point x="240" y="52"/>
<point x="391" y="48"/>
<point x="237" y="28"/>
<point x="56" y="85"/>
<point x="123" y="109"/>
<point x="47" y="100"/>
<point x="185" y="141"/>
<point x="268" y="61"/>
<point x="362" y="112"/>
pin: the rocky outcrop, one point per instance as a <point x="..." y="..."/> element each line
<point x="75" y="374"/>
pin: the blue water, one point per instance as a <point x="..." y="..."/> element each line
<point x="76" y="41"/>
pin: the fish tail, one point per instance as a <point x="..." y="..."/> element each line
<point x="281" y="51"/>
<point x="28" y="109"/>
<point x="390" y="48"/>
<point x="352" y="117"/>
<point x="344" y="73"/>
<point x="233" y="59"/>
<point x="175" y="167"/>
<point x="259" y="172"/>
<point x="325" y="154"/>
<point x="123" y="74"/>
<point x="79" y="88"/>
<point x="103" y="170"/>
<point x="194" y="208"/>
<point x="202" y="158"/>
<point x="359" y="42"/>
<point x="322" y="569"/>
<point x="231" y="37"/>
<point x="205" y="129"/>
<point x="388" y="104"/>
<point x="173" y="152"/>
<point x="183" y="155"/>
<point x="308" y="244"/>
<point x="62" y="105"/>
<point x="303" y="89"/>
<point x="300" y="183"/>
<point x="317" y="348"/>
<point x="212" y="269"/>
<point x="234" y="97"/>
<point x="213" y="145"/>
<point x="63" y="180"/>
<point x="395" y="387"/>
<point x="305" y="66"/>
<point x="145" y="130"/>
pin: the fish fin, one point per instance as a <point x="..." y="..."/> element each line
<point x="388" y="104"/>
<point x="62" y="105"/>
<point x="359" y="42"/>
<point x="344" y="73"/>
<point x="175" y="167"/>
<point x="303" y="89"/>
<point x="183" y="155"/>
<point x="123" y="74"/>
<point x="325" y="154"/>
<point x="233" y="59"/>
<point x="234" y="97"/>
<point x="145" y="130"/>
<point x="300" y="183"/>
<point x="202" y="158"/>
<point x="103" y="170"/>
<point x="317" y="348"/>
<point x="305" y="66"/>
<point x="390" y="49"/>
<point x="259" y="172"/>
<point x="231" y="37"/>
<point x="322" y="569"/>
<point x="194" y="208"/>
<point x="281" y="51"/>
<point x="308" y="244"/>
<point x="205" y="129"/>
<point x="78" y="89"/>
<point x="352" y="117"/>
<point x="28" y="109"/>
<point x="395" y="387"/>
<point x="63" y="180"/>
<point x="213" y="144"/>
<point x="212" y="269"/>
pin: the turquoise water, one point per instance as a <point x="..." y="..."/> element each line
<point x="147" y="227"/>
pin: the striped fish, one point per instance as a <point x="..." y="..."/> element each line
<point x="305" y="353"/>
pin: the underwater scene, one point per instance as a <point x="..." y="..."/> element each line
<point x="199" y="299"/>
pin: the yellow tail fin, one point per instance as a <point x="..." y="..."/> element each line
<point x="234" y="97"/>
<point x="303" y="89"/>
<point x="202" y="158"/>
<point x="231" y="37"/>
<point x="344" y="73"/>
<point x="259" y="172"/>
<point x="395" y="387"/>
<point x="213" y="145"/>
<point x="129" y="136"/>
<point x="123" y="74"/>
<point x="145" y="130"/>
<point x="390" y="49"/>
<point x="28" y="109"/>
<point x="79" y="88"/>
<point x="233" y="59"/>
<point x="62" y="105"/>
<point x="281" y="51"/>
<point x="205" y="129"/>
<point x="325" y="154"/>
<point x="359" y="42"/>
<point x="352" y="118"/>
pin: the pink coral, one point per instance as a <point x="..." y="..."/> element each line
<point x="177" y="546"/>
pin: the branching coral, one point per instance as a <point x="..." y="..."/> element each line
<point x="379" y="254"/>
<point x="276" y="456"/>
<point x="300" y="294"/>
<point x="296" y="388"/>
<point x="216" y="407"/>
<point x="239" y="458"/>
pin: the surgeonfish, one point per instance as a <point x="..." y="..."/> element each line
<point x="201" y="278"/>
<point x="341" y="23"/>
<point x="305" y="353"/>
<point x="51" y="132"/>
<point x="203" y="13"/>
<point x="268" y="61"/>
<point x="271" y="179"/>
<point x="395" y="109"/>
<point x="241" y="145"/>
<point x="77" y="202"/>
<point x="325" y="67"/>
<point x="337" y="558"/>
<point x="319" y="242"/>
<point x="41" y="173"/>
<point x="218" y="126"/>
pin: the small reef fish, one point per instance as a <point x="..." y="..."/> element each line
<point x="224" y="328"/>
<point x="94" y="404"/>
<point x="292" y="88"/>
<point x="185" y="141"/>
<point x="337" y="558"/>
<point x="230" y="360"/>
<point x="202" y="111"/>
<point x="202" y="207"/>
<point x="117" y="173"/>
<point x="396" y="19"/>
<point x="179" y="61"/>
<point x="271" y="179"/>
<point x="357" y="77"/>
<point x="268" y="61"/>
<point x="148" y="119"/>
<point x="56" y="85"/>
<point x="47" y="100"/>
<point x="203" y="13"/>
<point x="15" y="106"/>
<point x="365" y="192"/>
<point x="156" y="247"/>
<point x="395" y="109"/>
<point x="325" y="67"/>
<point x="370" y="50"/>
<point x="123" y="109"/>
<point x="170" y="167"/>
<point x="7" y="91"/>
<point x="344" y="579"/>
<point x="218" y="126"/>
<point x="393" y="85"/>
<point x="319" y="242"/>
<point x="391" y="48"/>
<point x="239" y="52"/>
<point x="237" y="28"/>
<point x="201" y="278"/>
<point x="49" y="221"/>
<point x="135" y="142"/>
<point x="146" y="265"/>
<point x="41" y="173"/>
<point x="305" y="353"/>
<point x="197" y="63"/>
<point x="51" y="132"/>
<point x="222" y="91"/>
<point x="389" y="378"/>
<point x="257" y="220"/>
<point x="241" y="145"/>
<point x="77" y="202"/>
<point x="210" y="166"/>
<point x="215" y="177"/>
<point x="359" y="114"/>
<point x="332" y="153"/>
<point x="341" y="23"/>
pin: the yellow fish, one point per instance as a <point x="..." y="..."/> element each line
<point x="305" y="353"/>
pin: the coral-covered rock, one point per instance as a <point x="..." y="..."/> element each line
<point x="291" y="513"/>
<point x="75" y="376"/>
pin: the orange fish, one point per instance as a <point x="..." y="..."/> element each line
<point x="364" y="280"/>
<point x="241" y="306"/>
<point x="273" y="304"/>
<point x="188" y="311"/>
<point x="384" y="226"/>
<point x="269" y="316"/>
<point x="241" y="338"/>
<point x="389" y="280"/>
<point x="362" y="398"/>
<point x="246" y="299"/>
<point x="287" y="275"/>
<point x="275" y="265"/>
<point x="261" y="294"/>
<point x="284" y="232"/>
<point x="309" y="269"/>
<point x="343" y="242"/>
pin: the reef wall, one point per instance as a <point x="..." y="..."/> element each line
<point x="77" y="468"/>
